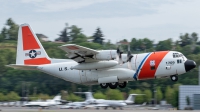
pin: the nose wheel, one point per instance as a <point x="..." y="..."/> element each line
<point x="174" y="78"/>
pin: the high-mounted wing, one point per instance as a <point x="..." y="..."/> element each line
<point x="79" y="53"/>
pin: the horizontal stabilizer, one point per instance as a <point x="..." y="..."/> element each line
<point x="23" y="67"/>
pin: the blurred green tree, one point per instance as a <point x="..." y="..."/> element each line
<point x="98" y="36"/>
<point x="1" y="38"/>
<point x="64" y="36"/>
<point x="99" y="95"/>
<point x="12" y="96"/>
<point x="75" y="32"/>
<point x="159" y="94"/>
<point x="43" y="96"/>
<point x="73" y="97"/>
<point x="168" y="94"/>
<point x="164" y="45"/>
<point x="138" y="99"/>
<point x="147" y="95"/>
<point x="12" y="32"/>
<point x="114" y="94"/>
<point x="2" y="97"/>
<point x="175" y="95"/>
<point x="144" y="44"/>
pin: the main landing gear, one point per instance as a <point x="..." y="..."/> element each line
<point x="174" y="78"/>
<point x="113" y="85"/>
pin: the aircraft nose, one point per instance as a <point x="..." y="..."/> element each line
<point x="189" y="65"/>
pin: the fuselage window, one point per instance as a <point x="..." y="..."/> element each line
<point x="153" y="67"/>
<point x="177" y="61"/>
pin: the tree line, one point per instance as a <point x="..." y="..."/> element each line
<point x="12" y="80"/>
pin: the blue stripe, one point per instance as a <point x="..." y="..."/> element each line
<point x="136" y="74"/>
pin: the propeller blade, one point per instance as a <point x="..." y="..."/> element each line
<point x="129" y="57"/>
<point x="119" y="56"/>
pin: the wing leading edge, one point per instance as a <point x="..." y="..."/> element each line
<point x="79" y="53"/>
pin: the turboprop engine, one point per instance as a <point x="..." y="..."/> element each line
<point x="112" y="55"/>
<point x="106" y="55"/>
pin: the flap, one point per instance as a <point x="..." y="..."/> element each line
<point x="79" y="53"/>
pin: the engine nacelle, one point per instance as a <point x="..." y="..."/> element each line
<point x="95" y="65"/>
<point x="106" y="55"/>
<point x="124" y="58"/>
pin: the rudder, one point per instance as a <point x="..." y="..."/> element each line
<point x="29" y="49"/>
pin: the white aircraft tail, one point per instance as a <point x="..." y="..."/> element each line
<point x="29" y="49"/>
<point x="57" y="98"/>
<point x="131" y="98"/>
<point x="88" y="95"/>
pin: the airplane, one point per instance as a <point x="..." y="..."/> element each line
<point x="45" y="104"/>
<point x="108" y="103"/>
<point x="91" y="99"/>
<point x="98" y="67"/>
<point x="75" y="105"/>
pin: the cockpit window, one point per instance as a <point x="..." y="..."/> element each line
<point x="177" y="55"/>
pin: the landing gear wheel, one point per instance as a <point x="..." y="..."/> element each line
<point x="122" y="85"/>
<point x="104" y="85"/>
<point x="113" y="85"/>
<point x="174" y="78"/>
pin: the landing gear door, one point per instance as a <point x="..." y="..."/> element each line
<point x="82" y="76"/>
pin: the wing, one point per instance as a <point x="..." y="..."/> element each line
<point x="79" y="53"/>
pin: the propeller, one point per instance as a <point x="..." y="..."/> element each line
<point x="129" y="57"/>
<point x="119" y="56"/>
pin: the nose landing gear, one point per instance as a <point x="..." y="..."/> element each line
<point x="174" y="78"/>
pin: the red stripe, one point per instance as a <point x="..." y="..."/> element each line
<point x="37" y="61"/>
<point x="72" y="47"/>
<point x="29" y="41"/>
<point x="146" y="72"/>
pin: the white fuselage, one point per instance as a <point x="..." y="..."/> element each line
<point x="143" y="66"/>
<point x="42" y="103"/>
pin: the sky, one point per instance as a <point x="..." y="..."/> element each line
<point x="119" y="19"/>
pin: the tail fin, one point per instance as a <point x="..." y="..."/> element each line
<point x="88" y="95"/>
<point x="29" y="49"/>
<point x="57" y="98"/>
<point x="131" y="98"/>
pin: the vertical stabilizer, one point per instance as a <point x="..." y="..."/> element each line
<point x="89" y="95"/>
<point x="57" y="98"/>
<point x="131" y="98"/>
<point x="29" y="49"/>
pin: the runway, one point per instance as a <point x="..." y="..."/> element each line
<point x="25" y="109"/>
